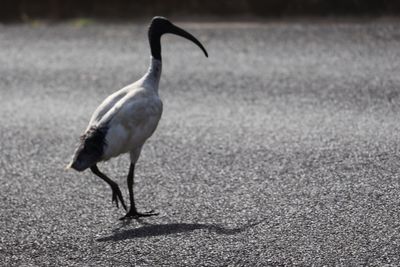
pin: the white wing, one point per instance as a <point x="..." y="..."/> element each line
<point x="131" y="121"/>
<point x="108" y="103"/>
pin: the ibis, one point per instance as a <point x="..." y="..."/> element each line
<point x="126" y="119"/>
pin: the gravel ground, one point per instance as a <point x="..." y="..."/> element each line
<point x="280" y="149"/>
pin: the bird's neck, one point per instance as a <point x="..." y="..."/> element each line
<point x="154" y="35"/>
<point x="153" y="74"/>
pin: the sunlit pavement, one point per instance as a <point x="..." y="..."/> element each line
<point x="279" y="149"/>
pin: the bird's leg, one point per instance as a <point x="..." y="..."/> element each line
<point x="117" y="195"/>
<point x="133" y="213"/>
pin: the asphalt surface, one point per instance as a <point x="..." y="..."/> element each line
<point x="280" y="149"/>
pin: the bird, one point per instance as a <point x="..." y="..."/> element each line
<point x="123" y="122"/>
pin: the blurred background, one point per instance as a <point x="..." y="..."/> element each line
<point x="20" y="10"/>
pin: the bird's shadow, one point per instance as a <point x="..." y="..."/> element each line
<point x="149" y="230"/>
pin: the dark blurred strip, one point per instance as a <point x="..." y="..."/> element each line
<point x="15" y="10"/>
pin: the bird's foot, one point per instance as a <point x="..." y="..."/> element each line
<point x="133" y="214"/>
<point x="117" y="197"/>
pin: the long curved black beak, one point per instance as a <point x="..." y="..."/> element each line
<point x="178" y="31"/>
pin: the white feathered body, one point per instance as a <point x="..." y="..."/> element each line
<point x="131" y="114"/>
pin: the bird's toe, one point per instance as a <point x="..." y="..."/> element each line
<point x="117" y="197"/>
<point x="135" y="214"/>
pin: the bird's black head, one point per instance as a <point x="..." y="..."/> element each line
<point x="160" y="26"/>
<point x="90" y="149"/>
